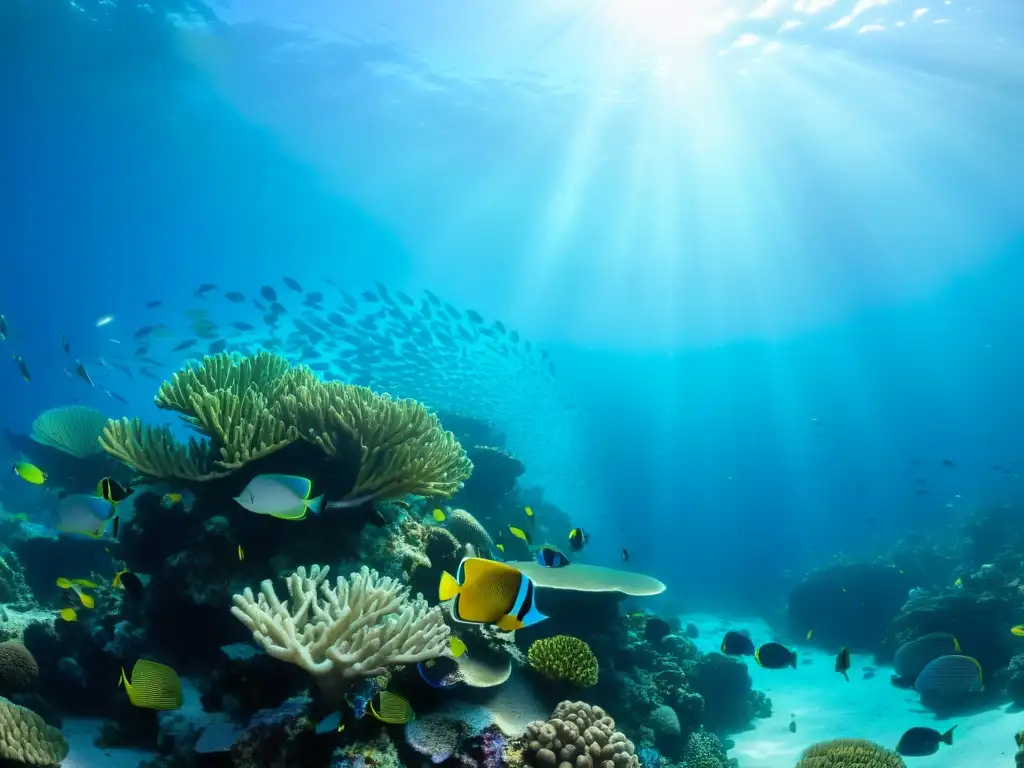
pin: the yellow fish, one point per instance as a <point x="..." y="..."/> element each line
<point x="501" y="547"/>
<point x="153" y="686"/>
<point x="69" y="614"/>
<point x="456" y="646"/>
<point x="241" y="553"/>
<point x="168" y="500"/>
<point x="1017" y="630"/>
<point x="438" y="515"/>
<point x="958" y="583"/>
<point x="76" y="585"/>
<point x="489" y="592"/>
<point x="391" y="708"/>
<point x="809" y="635"/>
<point x="519" y="533"/>
<point x="529" y="511"/>
<point x="30" y="473"/>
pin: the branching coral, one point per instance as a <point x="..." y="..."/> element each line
<point x="353" y="630"/>
<point x="72" y="429"/>
<point x="564" y="658"/>
<point x="251" y="407"/>
<point x="849" y="753"/>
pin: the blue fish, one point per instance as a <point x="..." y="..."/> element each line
<point x="550" y="557"/>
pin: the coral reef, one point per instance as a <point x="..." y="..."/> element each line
<point x="705" y="750"/>
<point x="849" y="753"/>
<point x="564" y="658"/>
<point x="356" y="629"/>
<point x="27" y="739"/>
<point x="71" y="429"/>
<point x="18" y="668"/>
<point x="579" y="734"/>
<point x="249" y="408"/>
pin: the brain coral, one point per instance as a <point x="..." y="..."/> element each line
<point x="18" y="667"/>
<point x="849" y="753"/>
<point x="564" y="658"/>
<point x="580" y="735"/>
<point x="468" y="530"/>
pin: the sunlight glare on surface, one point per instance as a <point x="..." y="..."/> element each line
<point x="668" y="22"/>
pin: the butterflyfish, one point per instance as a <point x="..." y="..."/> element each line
<point x="456" y="646"/>
<point x="391" y="708"/>
<point x="30" y="473"/>
<point x="285" y="497"/>
<point x="438" y="515"/>
<point x="489" y="592"/>
<point x="153" y="686"/>
<point x="69" y="614"/>
<point x="129" y="582"/>
<point x="737" y="644"/>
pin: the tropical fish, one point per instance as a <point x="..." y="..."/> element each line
<point x="519" y="533"/>
<point x="910" y="658"/>
<point x="22" y="368"/>
<point x="775" y="656"/>
<point x="103" y="320"/>
<point x="30" y="473"/>
<point x="578" y="538"/>
<point x="241" y="553"/>
<point x="330" y="723"/>
<point x="528" y="511"/>
<point x="268" y="293"/>
<point x="950" y="677"/>
<point x="456" y="647"/>
<point x="234" y="297"/>
<point x="500" y="547"/>
<point x="293" y="284"/>
<point x="285" y="497"/>
<point x="1017" y="630"/>
<point x="737" y="644"/>
<point x="625" y="555"/>
<point x="64" y="342"/>
<point x="83" y="374"/>
<point x="843" y="663"/>
<point x="153" y="686"/>
<point x="79" y="513"/>
<point x="438" y="515"/>
<point x="391" y="708"/>
<point x="809" y="635"/>
<point x="68" y="614"/>
<point x="129" y="582"/>
<point x="550" y="557"/>
<point x="203" y="289"/>
<point x="920" y="742"/>
<point x="76" y="586"/>
<point x="113" y="491"/>
<point x="489" y="592"/>
<point x="4" y="330"/>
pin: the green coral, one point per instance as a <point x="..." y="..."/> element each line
<point x="251" y="407"/>
<point x="564" y="657"/>
<point x="849" y="753"/>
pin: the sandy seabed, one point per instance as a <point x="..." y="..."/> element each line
<point x="827" y="707"/>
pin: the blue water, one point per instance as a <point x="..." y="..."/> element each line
<point x="777" y="265"/>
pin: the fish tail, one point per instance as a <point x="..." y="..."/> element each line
<point x="448" y="588"/>
<point x="947" y="737"/>
<point x="846" y="677"/>
<point x="792" y="660"/>
<point x="315" y="505"/>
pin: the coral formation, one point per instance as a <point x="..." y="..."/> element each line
<point x="849" y="753"/>
<point x="71" y="429"/>
<point x="468" y="530"/>
<point x="580" y="735"/>
<point x="18" y="668"/>
<point x="356" y="629"/>
<point x="27" y="739"/>
<point x="705" y="750"/>
<point x="564" y="658"/>
<point x="251" y="407"/>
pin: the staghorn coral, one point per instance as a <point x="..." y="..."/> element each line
<point x="251" y="407"/>
<point x="27" y="739"/>
<point x="18" y="668"/>
<point x="849" y="753"/>
<point x="564" y="658"/>
<point x="354" y="630"/>
<point x="71" y="429"/>
<point x="579" y="735"/>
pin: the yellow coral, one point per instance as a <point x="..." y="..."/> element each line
<point x="849" y="753"/>
<point x="564" y="657"/>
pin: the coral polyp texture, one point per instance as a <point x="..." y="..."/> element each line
<point x="579" y="735"/>
<point x="26" y="739"/>
<point x="18" y="668"/>
<point x="249" y="408"/>
<point x="849" y="753"/>
<point x="354" y="629"/>
<point x="564" y="658"/>
<point x="71" y="429"/>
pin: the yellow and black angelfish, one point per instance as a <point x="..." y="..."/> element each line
<point x="578" y="539"/>
<point x="113" y="491"/>
<point x="489" y="592"/>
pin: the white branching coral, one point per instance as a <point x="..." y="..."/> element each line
<point x="354" y="629"/>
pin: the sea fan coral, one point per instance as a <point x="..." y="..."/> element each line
<point x="71" y="429"/>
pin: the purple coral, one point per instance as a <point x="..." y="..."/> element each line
<point x="494" y="748"/>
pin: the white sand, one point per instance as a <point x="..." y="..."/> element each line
<point x="827" y="707"/>
<point x="81" y="732"/>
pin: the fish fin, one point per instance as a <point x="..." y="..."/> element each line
<point x="757" y="657"/>
<point x="532" y="617"/>
<point x="947" y="737"/>
<point x="293" y="514"/>
<point x="509" y="623"/>
<point x="300" y="486"/>
<point x="792" y="659"/>
<point x="448" y="587"/>
<point x="315" y="505"/>
<point x="846" y="677"/>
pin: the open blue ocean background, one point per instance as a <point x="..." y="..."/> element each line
<point x="774" y="250"/>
